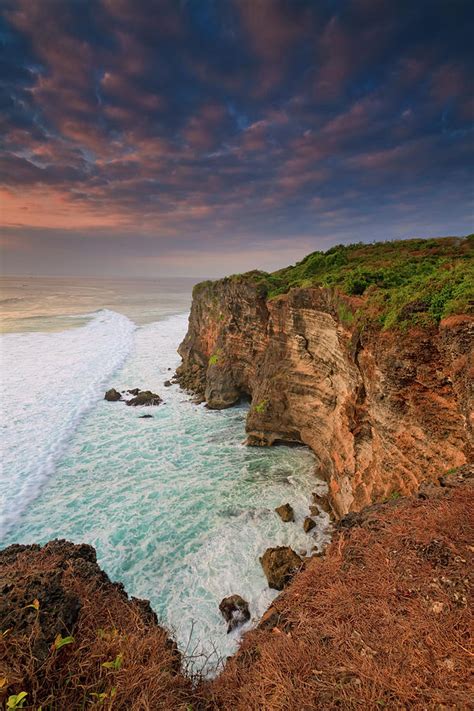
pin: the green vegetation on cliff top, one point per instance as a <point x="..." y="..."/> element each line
<point x="400" y="283"/>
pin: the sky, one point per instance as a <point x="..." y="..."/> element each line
<point x="205" y="137"/>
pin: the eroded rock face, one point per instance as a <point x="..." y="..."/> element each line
<point x="382" y="410"/>
<point x="279" y="565"/>
<point x="235" y="611"/>
<point x="286" y="513"/>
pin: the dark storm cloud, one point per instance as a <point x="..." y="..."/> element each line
<point x="217" y="127"/>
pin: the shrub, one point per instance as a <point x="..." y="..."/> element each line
<point x="389" y="276"/>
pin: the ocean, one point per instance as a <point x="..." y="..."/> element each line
<point x="177" y="507"/>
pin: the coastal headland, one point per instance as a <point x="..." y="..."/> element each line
<point x="365" y="354"/>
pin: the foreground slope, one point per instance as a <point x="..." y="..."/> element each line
<point x="381" y="621"/>
<point x="364" y="353"/>
<point x="71" y="639"/>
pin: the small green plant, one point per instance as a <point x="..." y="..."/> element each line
<point x="115" y="665"/>
<point x="108" y="635"/>
<point x="17" y="701"/>
<point x="261" y="406"/>
<point x="214" y="359"/>
<point x="395" y="495"/>
<point x="101" y="697"/>
<point x="61" y="641"/>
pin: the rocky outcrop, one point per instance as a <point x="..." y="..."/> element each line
<point x="382" y="410"/>
<point x="37" y="592"/>
<point x="144" y="397"/>
<point x="112" y="395"/>
<point x="140" y="397"/>
<point x="63" y="621"/>
<point x="308" y="524"/>
<point x="279" y="565"/>
<point x="286" y="513"/>
<point x="235" y="611"/>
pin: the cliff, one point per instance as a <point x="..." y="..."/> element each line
<point x="364" y="353"/>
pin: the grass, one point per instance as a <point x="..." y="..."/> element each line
<point x="398" y="283"/>
<point x="381" y="621"/>
<point x="117" y="659"/>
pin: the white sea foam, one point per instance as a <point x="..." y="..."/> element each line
<point x="48" y="382"/>
<point x="177" y="507"/>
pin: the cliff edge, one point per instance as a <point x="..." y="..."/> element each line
<point x="72" y="639"/>
<point x="364" y="353"/>
<point x="382" y="620"/>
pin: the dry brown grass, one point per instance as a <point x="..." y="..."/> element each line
<point x="108" y="625"/>
<point x="381" y="622"/>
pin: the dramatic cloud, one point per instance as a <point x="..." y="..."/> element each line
<point x="206" y="137"/>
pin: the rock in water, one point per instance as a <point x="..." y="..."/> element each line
<point x="308" y="524"/>
<point x="285" y="512"/>
<point x="133" y="391"/>
<point x="112" y="395"/>
<point x="145" y="397"/>
<point x="167" y="383"/>
<point x="235" y="611"/>
<point x="279" y="565"/>
<point x="145" y="417"/>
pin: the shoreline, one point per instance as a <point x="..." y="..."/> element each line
<point x="263" y="484"/>
<point x="402" y="542"/>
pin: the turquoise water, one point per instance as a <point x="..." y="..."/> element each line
<point x="177" y="507"/>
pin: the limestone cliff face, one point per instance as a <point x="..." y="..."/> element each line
<point x="382" y="410"/>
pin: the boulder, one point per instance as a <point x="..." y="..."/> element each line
<point x="167" y="383"/>
<point x="112" y="395"/>
<point x="285" y="512"/>
<point x="144" y="397"/>
<point x="308" y="524"/>
<point x="314" y="510"/>
<point x="235" y="611"/>
<point x="279" y="565"/>
<point x="133" y="391"/>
